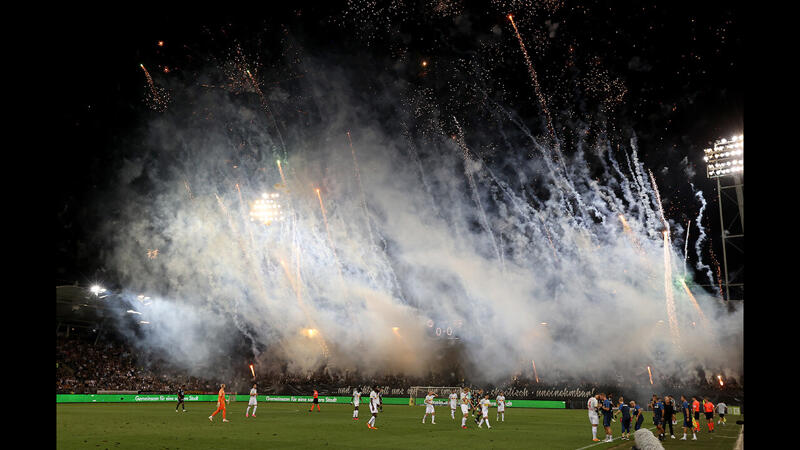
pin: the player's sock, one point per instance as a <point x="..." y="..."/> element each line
<point x="488" y="425"/>
<point x="423" y="418"/>
<point x="503" y="416"/>
<point x="594" y="432"/>
<point x="254" y="410"/>
<point x="480" y="424"/>
<point x="247" y="413"/>
<point x="463" y="421"/>
<point x="433" y="419"/>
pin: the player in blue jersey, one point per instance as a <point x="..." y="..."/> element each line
<point x="637" y="415"/>
<point x="658" y="412"/>
<point x="686" y="409"/>
<point x="608" y="410"/>
<point x="625" y="411"/>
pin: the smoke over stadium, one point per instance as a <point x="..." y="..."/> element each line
<point x="328" y="221"/>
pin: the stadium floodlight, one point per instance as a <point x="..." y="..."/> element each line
<point x="726" y="157"/>
<point x="97" y="290"/>
<point x="266" y="209"/>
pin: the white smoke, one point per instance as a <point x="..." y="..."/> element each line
<point x="495" y="257"/>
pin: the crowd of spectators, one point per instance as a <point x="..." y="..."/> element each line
<point x="86" y="366"/>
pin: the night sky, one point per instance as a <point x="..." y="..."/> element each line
<point x="670" y="74"/>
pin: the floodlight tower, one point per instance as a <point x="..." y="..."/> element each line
<point x="725" y="162"/>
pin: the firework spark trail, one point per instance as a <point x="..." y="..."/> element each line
<point x="159" y="99"/>
<point x="641" y="188"/>
<point x="280" y="169"/>
<point x="539" y="94"/>
<point x="673" y="320"/>
<point x="475" y="193"/>
<point x="252" y="371"/>
<point x="534" y="371"/>
<point x="415" y="158"/>
<point x="188" y="189"/>
<point x="658" y="199"/>
<point x="629" y="232"/>
<point x="700" y="313"/>
<point x="699" y="243"/>
<point x="650" y="374"/>
<point x="268" y="110"/>
<point x="328" y="232"/>
<point x="361" y="190"/>
<point x="686" y="246"/>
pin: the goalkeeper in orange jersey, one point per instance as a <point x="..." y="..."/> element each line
<point x="220" y="405"/>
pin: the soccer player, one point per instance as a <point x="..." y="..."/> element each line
<point x="592" y="406"/>
<point x="356" y="402"/>
<point x="722" y="409"/>
<point x="374" y="402"/>
<point x="608" y="410"/>
<point x="708" y="408"/>
<point x="429" y="408"/>
<point x="484" y="404"/>
<point x="687" y="418"/>
<point x="453" y="400"/>
<point x="501" y="407"/>
<point x="465" y="404"/>
<point x="220" y="405"/>
<point x="180" y="399"/>
<point x="253" y="402"/>
<point x="475" y="413"/>
<point x="658" y="411"/>
<point x="638" y="415"/>
<point x="315" y="401"/>
<point x="696" y="411"/>
<point x="625" y="410"/>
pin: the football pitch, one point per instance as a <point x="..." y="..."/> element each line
<point x="291" y="425"/>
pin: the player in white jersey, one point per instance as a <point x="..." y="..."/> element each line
<point x="356" y="401"/>
<point x="484" y="404"/>
<point x="464" y="407"/>
<point x="374" y="403"/>
<point x="253" y="402"/>
<point x="591" y="405"/>
<point x="429" y="408"/>
<point x="722" y="409"/>
<point x="501" y="407"/>
<point x="453" y="402"/>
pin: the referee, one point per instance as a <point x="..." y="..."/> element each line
<point x="180" y="399"/>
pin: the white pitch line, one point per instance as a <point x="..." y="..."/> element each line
<point x="606" y="442"/>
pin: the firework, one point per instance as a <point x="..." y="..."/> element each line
<point x="534" y="371"/>
<point x="719" y="377"/>
<point x="360" y="188"/>
<point x="158" y="97"/>
<point x="650" y="374"/>
<point x="673" y="320"/>
<point x="252" y="371"/>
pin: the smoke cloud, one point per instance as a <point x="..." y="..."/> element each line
<point x="522" y="257"/>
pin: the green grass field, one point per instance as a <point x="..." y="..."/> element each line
<point x="290" y="425"/>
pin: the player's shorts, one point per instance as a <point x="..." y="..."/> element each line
<point x="657" y="420"/>
<point x="316" y="400"/>
<point x="626" y="425"/>
<point x="710" y="416"/>
<point x="721" y="415"/>
<point x="452" y="405"/>
<point x="429" y="409"/>
<point x="252" y="401"/>
<point x="687" y="422"/>
<point x="355" y="403"/>
<point x="465" y="408"/>
<point x="593" y="418"/>
<point x="697" y="415"/>
<point x="639" y="422"/>
<point x="485" y="413"/>
<point x="606" y="420"/>
<point x="501" y="408"/>
<point x="373" y="408"/>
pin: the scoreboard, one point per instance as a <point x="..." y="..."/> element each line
<point x="444" y="329"/>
